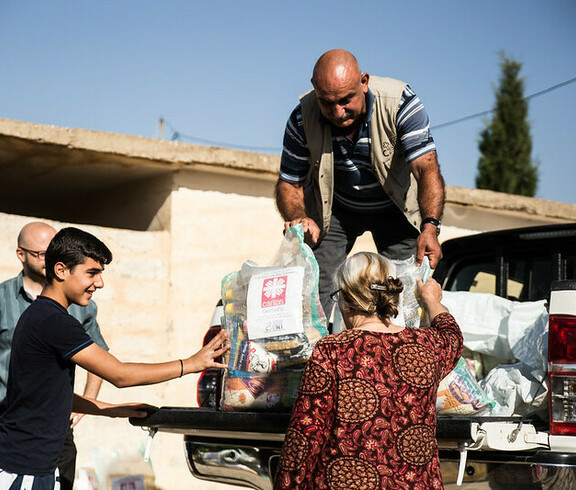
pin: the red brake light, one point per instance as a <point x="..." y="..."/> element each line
<point x="209" y="382"/>
<point x="208" y="389"/>
<point x="562" y="339"/>
<point x="562" y="373"/>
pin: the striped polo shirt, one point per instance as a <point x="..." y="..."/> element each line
<point x="356" y="187"/>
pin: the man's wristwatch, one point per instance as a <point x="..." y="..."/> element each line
<point x="432" y="221"/>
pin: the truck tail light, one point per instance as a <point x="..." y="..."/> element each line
<point x="210" y="381"/>
<point x="207" y="391"/>
<point x="562" y="358"/>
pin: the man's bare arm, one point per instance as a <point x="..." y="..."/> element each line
<point x="290" y="204"/>
<point x="97" y="407"/>
<point x="91" y="390"/>
<point x="431" y="203"/>
<point x="93" y="384"/>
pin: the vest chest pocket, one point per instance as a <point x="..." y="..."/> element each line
<point x="386" y="149"/>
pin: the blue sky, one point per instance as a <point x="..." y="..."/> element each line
<point x="230" y="72"/>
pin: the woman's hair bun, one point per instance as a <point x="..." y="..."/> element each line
<point x="367" y="286"/>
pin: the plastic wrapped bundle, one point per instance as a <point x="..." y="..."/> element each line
<point x="460" y="394"/>
<point x="410" y="312"/>
<point x="274" y="318"/>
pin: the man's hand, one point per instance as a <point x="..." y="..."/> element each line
<point x="427" y="244"/>
<point x="98" y="407"/>
<point x="309" y="226"/>
<point x="138" y="410"/>
<point x="290" y="203"/>
<point x="91" y="390"/>
<point x="75" y="418"/>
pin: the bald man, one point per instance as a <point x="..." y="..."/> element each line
<point x="15" y="296"/>
<point x="358" y="156"/>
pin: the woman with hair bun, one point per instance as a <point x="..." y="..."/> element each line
<point x="365" y="414"/>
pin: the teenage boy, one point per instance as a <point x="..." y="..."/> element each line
<point x="16" y="295"/>
<point x="48" y="342"/>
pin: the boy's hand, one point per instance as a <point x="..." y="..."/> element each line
<point x="204" y="358"/>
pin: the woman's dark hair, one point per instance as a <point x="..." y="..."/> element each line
<point x="72" y="247"/>
<point x="366" y="285"/>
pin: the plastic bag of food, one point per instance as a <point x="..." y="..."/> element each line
<point x="274" y="318"/>
<point x="410" y="312"/>
<point x="460" y="394"/>
<point x="513" y="337"/>
<point x="508" y="330"/>
<point x="245" y="390"/>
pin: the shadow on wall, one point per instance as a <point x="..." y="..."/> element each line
<point x="141" y="204"/>
<point x="76" y="185"/>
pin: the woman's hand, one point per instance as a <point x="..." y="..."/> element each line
<point x="431" y="294"/>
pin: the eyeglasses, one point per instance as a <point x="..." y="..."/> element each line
<point x="335" y="295"/>
<point x="37" y="254"/>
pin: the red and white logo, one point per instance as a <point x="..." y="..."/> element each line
<point x="274" y="291"/>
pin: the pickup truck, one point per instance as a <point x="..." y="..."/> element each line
<point x="527" y="452"/>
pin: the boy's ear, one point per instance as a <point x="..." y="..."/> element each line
<point x="60" y="270"/>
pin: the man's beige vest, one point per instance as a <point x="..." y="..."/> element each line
<point x="388" y="163"/>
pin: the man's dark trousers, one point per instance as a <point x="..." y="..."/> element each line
<point x="394" y="237"/>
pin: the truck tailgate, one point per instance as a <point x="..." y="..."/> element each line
<point x="207" y="422"/>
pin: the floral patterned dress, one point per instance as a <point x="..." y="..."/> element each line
<point x="365" y="415"/>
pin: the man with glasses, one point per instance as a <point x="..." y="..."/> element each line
<point x="16" y="295"/>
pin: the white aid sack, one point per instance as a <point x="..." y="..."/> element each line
<point x="515" y="332"/>
<point x="517" y="388"/>
<point x="498" y="327"/>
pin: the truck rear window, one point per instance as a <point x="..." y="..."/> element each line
<point x="477" y="277"/>
<point x="518" y="276"/>
<point x="529" y="277"/>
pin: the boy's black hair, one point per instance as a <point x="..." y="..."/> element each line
<point x="72" y="247"/>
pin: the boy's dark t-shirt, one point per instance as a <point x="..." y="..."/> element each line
<point x="40" y="388"/>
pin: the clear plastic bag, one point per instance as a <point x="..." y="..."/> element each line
<point x="410" y="312"/>
<point x="274" y="318"/>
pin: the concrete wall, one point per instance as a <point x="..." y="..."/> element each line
<point x="177" y="218"/>
<point x="158" y="300"/>
<point x="135" y="319"/>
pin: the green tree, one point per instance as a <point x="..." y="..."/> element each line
<point x="505" y="145"/>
